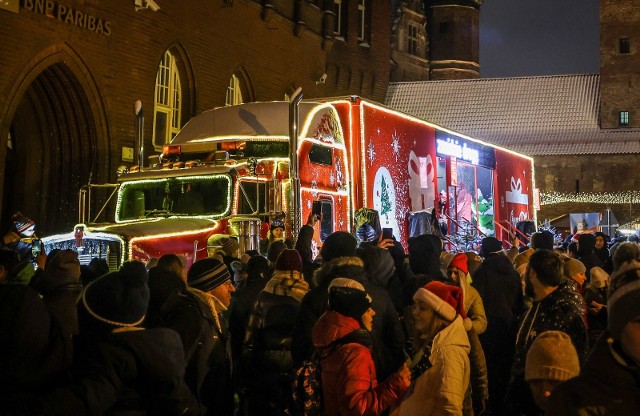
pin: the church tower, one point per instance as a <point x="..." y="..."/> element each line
<point x="453" y="28"/>
<point x="619" y="63"/>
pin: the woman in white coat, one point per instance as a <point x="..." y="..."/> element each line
<point x="440" y="368"/>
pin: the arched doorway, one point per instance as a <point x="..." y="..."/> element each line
<point x="52" y="149"/>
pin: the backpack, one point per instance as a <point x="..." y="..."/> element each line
<point x="306" y="389"/>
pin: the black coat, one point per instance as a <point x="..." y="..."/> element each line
<point x="34" y="351"/>
<point x="500" y="288"/>
<point x="135" y="372"/>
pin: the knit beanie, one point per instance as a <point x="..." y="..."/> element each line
<point x="623" y="303"/>
<point x="459" y="261"/>
<point x="490" y="245"/>
<point x="573" y="267"/>
<point x="599" y="277"/>
<point x="348" y="297"/>
<point x="339" y="244"/>
<point x="229" y="245"/>
<point x="288" y="260"/>
<point x="274" y="250"/>
<point x="21" y="222"/>
<point x="119" y="298"/>
<point x="207" y="274"/>
<point x="276" y="224"/>
<point x="551" y="356"/>
<point x="542" y="240"/>
<point x="446" y="300"/>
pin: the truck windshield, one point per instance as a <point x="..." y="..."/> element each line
<point x="205" y="195"/>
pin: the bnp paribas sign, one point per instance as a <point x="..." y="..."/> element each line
<point x="11" y="5"/>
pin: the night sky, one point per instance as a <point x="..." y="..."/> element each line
<point x="539" y="37"/>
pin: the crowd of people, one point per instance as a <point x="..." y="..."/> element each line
<point x="549" y="328"/>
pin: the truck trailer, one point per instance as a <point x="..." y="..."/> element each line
<point x="232" y="170"/>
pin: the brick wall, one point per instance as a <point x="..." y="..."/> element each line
<point x="619" y="77"/>
<point x="616" y="173"/>
<point x="277" y="47"/>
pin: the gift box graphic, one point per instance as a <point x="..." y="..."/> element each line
<point x="515" y="195"/>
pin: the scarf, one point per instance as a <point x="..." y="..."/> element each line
<point x="287" y="283"/>
<point x="214" y="304"/>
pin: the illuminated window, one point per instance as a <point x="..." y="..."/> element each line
<point x="340" y="11"/>
<point x="625" y="45"/>
<point x="412" y="38"/>
<point x="234" y="91"/>
<point x="623" y="118"/>
<point x="167" y="102"/>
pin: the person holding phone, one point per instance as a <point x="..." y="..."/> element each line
<point x="21" y="236"/>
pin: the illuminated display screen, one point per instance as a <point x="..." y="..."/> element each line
<point x="448" y="144"/>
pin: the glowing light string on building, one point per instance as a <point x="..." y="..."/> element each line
<point x="624" y="197"/>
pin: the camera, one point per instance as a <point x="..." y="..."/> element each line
<point x="317" y="208"/>
<point x="36" y="247"/>
<point x="387" y="233"/>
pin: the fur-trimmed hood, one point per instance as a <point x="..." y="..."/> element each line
<point x="351" y="267"/>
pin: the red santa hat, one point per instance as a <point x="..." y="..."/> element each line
<point x="446" y="300"/>
<point x="460" y="261"/>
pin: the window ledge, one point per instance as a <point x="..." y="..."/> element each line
<point x="364" y="44"/>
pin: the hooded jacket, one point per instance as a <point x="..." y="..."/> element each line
<point x="586" y="253"/>
<point x="441" y="389"/>
<point x="387" y="334"/>
<point x="349" y="384"/>
<point x="500" y="288"/>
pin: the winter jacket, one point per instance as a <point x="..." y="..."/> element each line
<point x="130" y="372"/>
<point x="34" y="349"/>
<point x="172" y="306"/>
<point x="210" y="367"/>
<point x="267" y="362"/>
<point x="500" y="288"/>
<point x="586" y="253"/>
<point x="607" y="385"/>
<point x="473" y="306"/>
<point x="381" y="270"/>
<point x="242" y="302"/>
<point x="267" y="341"/>
<point x="479" y="381"/>
<point x="387" y="334"/>
<point x="561" y="310"/>
<point x="597" y="320"/>
<point x="441" y="389"/>
<point x="349" y="383"/>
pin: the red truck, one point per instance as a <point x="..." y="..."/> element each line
<point x="231" y="169"/>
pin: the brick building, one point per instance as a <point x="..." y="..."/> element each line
<point x="73" y="70"/>
<point x="435" y="40"/>
<point x="582" y="130"/>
